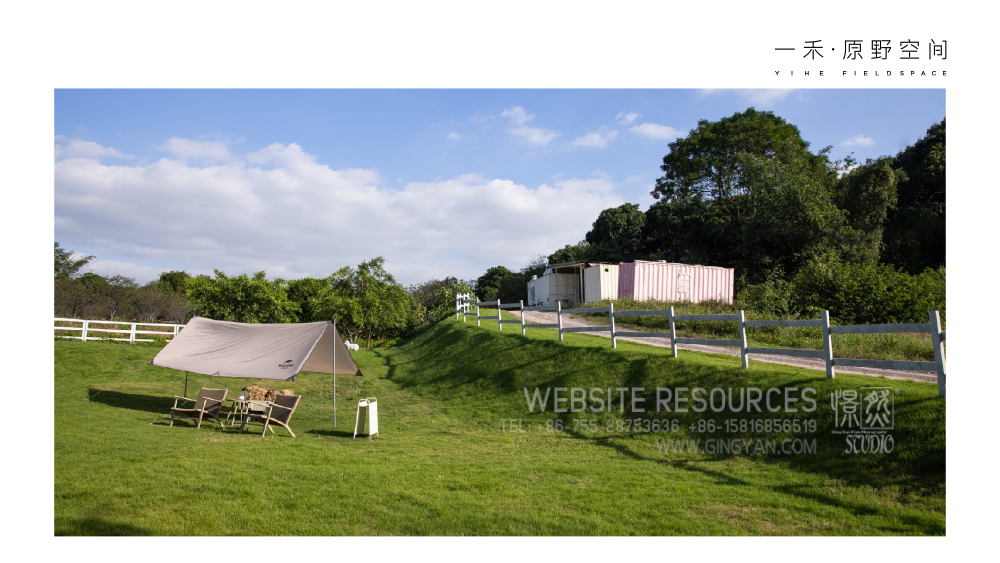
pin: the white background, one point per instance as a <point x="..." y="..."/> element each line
<point x="461" y="44"/>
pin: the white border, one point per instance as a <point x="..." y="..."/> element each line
<point x="461" y="44"/>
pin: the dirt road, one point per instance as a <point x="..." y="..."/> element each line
<point x="810" y="363"/>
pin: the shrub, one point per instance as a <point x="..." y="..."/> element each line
<point x="773" y="298"/>
<point x="867" y="293"/>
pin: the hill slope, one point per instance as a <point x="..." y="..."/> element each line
<point x="446" y="464"/>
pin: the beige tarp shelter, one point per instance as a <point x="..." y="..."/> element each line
<point x="258" y="351"/>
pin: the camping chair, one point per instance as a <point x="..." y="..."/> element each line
<point x="209" y="402"/>
<point x="278" y="412"/>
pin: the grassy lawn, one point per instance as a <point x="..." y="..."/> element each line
<point x="444" y="466"/>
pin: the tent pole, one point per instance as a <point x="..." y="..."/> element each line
<point x="334" y="373"/>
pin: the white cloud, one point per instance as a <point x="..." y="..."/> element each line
<point x="597" y="139"/>
<point x="279" y="210"/>
<point x="626" y="119"/>
<point x="858" y="141"/>
<point x="201" y="151"/>
<point x="757" y="97"/>
<point x="454" y="136"/>
<point x="141" y="273"/>
<point x="77" y="148"/>
<point x="765" y="97"/>
<point x="656" y="131"/>
<point x="519" y="119"/>
<point x="646" y="200"/>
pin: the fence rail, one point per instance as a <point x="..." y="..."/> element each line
<point x="708" y="341"/>
<point x="876" y="329"/>
<point x="706" y="317"/>
<point x="933" y="327"/>
<point x="86" y="330"/>
<point x="787" y="352"/>
<point x="785" y="324"/>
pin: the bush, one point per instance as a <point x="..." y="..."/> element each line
<point x="773" y="298"/>
<point x="867" y="293"/>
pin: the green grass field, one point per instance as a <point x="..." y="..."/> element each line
<point x="444" y="466"/>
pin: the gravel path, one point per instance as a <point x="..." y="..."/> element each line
<point x="810" y="363"/>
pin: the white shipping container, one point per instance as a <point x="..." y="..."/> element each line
<point x="600" y="281"/>
<point x="548" y="289"/>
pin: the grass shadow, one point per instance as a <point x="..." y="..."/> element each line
<point x="97" y="527"/>
<point x="132" y="401"/>
<point x="334" y="433"/>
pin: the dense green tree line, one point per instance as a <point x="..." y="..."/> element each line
<point x="92" y="296"/>
<point x="367" y="302"/>
<point x="746" y="192"/>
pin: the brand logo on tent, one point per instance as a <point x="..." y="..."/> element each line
<point x="286" y="364"/>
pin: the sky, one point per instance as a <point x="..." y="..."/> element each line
<point x="439" y="182"/>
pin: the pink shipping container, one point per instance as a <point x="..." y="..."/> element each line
<point x="665" y="281"/>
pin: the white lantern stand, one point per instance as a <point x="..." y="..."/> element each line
<point x="367" y="408"/>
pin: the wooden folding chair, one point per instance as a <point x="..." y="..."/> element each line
<point x="209" y="402"/>
<point x="278" y="412"/>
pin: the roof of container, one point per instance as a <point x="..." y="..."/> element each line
<point x="580" y="263"/>
<point x="678" y="264"/>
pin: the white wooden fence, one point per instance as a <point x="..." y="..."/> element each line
<point x="933" y="327"/>
<point x="87" y="330"/>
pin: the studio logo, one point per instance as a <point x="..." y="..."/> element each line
<point x="864" y="416"/>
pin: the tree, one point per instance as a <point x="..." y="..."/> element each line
<point x="737" y="155"/>
<point x="571" y="253"/>
<point x="303" y="293"/>
<point x="154" y="302"/>
<point x="488" y="285"/>
<point x="866" y="195"/>
<point x="682" y="230"/>
<point x="536" y="267"/>
<point x="745" y="192"/>
<point x="118" y="292"/>
<point x="616" y="235"/>
<point x="150" y="302"/>
<point x="241" y="298"/>
<point x="175" y="280"/>
<point x="76" y="298"/>
<point x="367" y="302"/>
<point x="444" y="296"/>
<point x="66" y="265"/>
<point x="915" y="230"/>
<point x="437" y="297"/>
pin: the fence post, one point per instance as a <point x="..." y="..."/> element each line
<point x="673" y="333"/>
<point x="827" y="344"/>
<point x="131" y="334"/>
<point x="86" y="325"/>
<point x="611" y="316"/>
<point x="559" y="316"/>
<point x="177" y="329"/>
<point x="744" y="355"/>
<point x="499" y="317"/>
<point x="478" y="321"/>
<point x="935" y="317"/>
<point x="522" y="318"/>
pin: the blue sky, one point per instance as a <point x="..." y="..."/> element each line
<point x="440" y="182"/>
